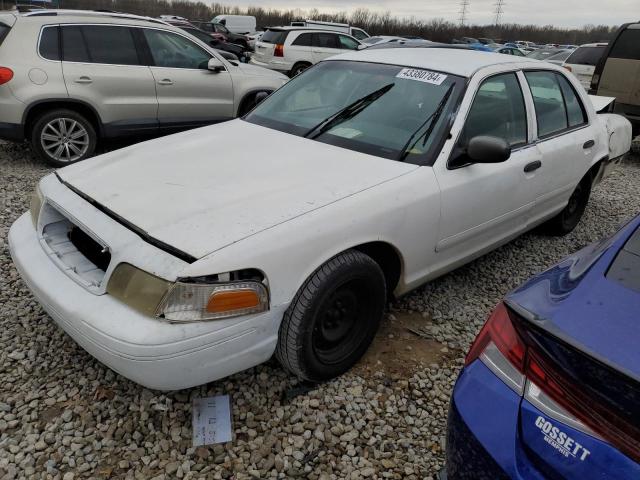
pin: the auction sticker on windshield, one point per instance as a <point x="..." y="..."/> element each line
<point x="425" y="76"/>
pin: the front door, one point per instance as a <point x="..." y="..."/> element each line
<point x="483" y="205"/>
<point x="189" y="94"/>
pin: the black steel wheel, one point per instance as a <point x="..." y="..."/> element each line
<point x="333" y="317"/>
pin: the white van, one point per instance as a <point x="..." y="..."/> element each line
<point x="242" y="24"/>
<point x="335" y="27"/>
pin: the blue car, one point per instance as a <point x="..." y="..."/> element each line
<point x="551" y="386"/>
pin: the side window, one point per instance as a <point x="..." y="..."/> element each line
<point x="347" y="43"/>
<point x="174" y="51"/>
<point x="359" y="34"/>
<point x="49" y="47"/>
<point x="498" y="110"/>
<point x="575" y="110"/>
<point x="74" y="48"/>
<point x="627" y="45"/>
<point x="326" y="40"/>
<point x="518" y="53"/>
<point x="547" y="98"/>
<point x="303" y="40"/>
<point x="110" y="45"/>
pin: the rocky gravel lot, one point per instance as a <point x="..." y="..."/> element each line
<point x="63" y="415"/>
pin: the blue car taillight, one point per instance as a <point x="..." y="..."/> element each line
<point x="500" y="348"/>
<point x="528" y="362"/>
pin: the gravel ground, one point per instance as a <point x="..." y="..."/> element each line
<point x="64" y="415"/>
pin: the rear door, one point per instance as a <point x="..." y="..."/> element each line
<point x="325" y="45"/>
<point x="103" y="67"/>
<point x="189" y="95"/>
<point x="565" y="140"/>
<point x="582" y="63"/>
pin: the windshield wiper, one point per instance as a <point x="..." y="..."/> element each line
<point x="432" y="120"/>
<point x="347" y="112"/>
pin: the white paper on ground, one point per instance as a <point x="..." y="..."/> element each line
<point x="211" y="420"/>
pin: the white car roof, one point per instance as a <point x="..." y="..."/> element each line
<point x="450" y="60"/>
<point x="599" y="44"/>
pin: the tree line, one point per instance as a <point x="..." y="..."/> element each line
<point x="375" y="23"/>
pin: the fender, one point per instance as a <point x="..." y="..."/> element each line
<point x="62" y="101"/>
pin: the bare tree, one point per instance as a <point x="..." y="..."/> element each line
<point x="375" y="23"/>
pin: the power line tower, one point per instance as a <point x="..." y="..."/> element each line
<point x="464" y="11"/>
<point x="498" y="11"/>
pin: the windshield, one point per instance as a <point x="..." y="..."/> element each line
<point x="384" y="110"/>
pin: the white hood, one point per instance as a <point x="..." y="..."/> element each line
<point x="204" y="189"/>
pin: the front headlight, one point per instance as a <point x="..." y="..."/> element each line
<point x="186" y="301"/>
<point x="36" y="205"/>
<point x="191" y="302"/>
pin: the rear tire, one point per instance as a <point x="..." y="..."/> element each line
<point x="61" y="137"/>
<point x="333" y="318"/>
<point x="298" y="68"/>
<point x="565" y="221"/>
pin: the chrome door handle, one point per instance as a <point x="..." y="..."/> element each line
<point x="530" y="167"/>
<point x="165" y="81"/>
<point x="83" y="79"/>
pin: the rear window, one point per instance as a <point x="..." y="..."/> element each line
<point x="49" y="47"/>
<point x="4" y="30"/>
<point x="274" y="36"/>
<point x="586" y="56"/>
<point x="627" y="45"/>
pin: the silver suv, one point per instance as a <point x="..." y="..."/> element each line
<point x="69" y="78"/>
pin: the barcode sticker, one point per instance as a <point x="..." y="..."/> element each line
<point x="425" y="76"/>
<point x="211" y="420"/>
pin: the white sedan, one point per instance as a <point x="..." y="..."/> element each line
<point x="185" y="259"/>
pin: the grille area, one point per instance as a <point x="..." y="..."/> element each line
<point x="75" y="251"/>
<point x="91" y="249"/>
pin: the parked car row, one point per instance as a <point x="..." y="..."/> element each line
<point x="188" y="268"/>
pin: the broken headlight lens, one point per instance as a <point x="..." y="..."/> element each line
<point x="36" y="205"/>
<point x="192" y="302"/>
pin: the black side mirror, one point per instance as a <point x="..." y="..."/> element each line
<point x="481" y="149"/>
<point x="485" y="149"/>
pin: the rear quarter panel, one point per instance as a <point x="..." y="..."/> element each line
<point x="35" y="78"/>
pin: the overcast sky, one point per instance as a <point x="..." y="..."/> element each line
<point x="562" y="13"/>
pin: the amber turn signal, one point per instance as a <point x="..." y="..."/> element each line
<point x="229" y="300"/>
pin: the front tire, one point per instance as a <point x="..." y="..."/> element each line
<point x="61" y="137"/>
<point x="333" y="318"/>
<point x="567" y="220"/>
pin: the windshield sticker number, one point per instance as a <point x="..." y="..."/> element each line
<point x="422" y="76"/>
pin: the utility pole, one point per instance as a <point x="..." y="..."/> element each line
<point x="499" y="10"/>
<point x="464" y="11"/>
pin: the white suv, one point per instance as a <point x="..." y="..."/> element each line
<point x="69" y="78"/>
<point x="291" y="50"/>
